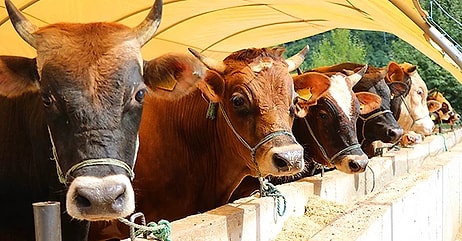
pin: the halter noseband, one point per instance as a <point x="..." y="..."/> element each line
<point x="90" y="162"/>
<point x="331" y="160"/>
<point x="265" y="139"/>
<point x="363" y="127"/>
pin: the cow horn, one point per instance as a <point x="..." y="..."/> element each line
<point x="356" y="77"/>
<point x="212" y="64"/>
<point x="23" y="26"/>
<point x="295" y="61"/>
<point x="146" y="30"/>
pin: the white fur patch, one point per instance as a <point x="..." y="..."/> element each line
<point x="341" y="93"/>
<point x="98" y="184"/>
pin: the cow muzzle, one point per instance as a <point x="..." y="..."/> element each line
<point x="287" y="160"/>
<point x="96" y="199"/>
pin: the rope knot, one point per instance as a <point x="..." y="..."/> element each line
<point x="267" y="189"/>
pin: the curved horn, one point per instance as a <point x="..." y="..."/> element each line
<point x="212" y="64"/>
<point x="295" y="61"/>
<point x="146" y="29"/>
<point x="23" y="27"/>
<point x="356" y="77"/>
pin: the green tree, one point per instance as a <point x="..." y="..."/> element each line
<point x="336" y="47"/>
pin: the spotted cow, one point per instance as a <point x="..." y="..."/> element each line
<point x="69" y="122"/>
<point x="380" y="124"/>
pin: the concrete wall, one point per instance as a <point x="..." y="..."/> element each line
<point x="410" y="194"/>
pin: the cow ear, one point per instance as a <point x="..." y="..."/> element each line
<point x="212" y="86"/>
<point x="394" y="73"/>
<point x="173" y="75"/>
<point x="398" y="88"/>
<point x="368" y="102"/>
<point x="433" y="105"/>
<point x="310" y="87"/>
<point x="18" y="75"/>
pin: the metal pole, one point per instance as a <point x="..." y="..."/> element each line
<point x="47" y="221"/>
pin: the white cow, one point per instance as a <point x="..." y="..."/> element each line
<point x="413" y="114"/>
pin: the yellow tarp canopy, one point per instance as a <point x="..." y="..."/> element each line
<point x="218" y="27"/>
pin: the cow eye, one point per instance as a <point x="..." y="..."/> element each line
<point x="237" y="100"/>
<point x="47" y="100"/>
<point x="139" y="96"/>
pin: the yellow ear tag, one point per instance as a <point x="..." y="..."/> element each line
<point x="361" y="107"/>
<point x="433" y="117"/>
<point x="305" y="93"/>
<point x="166" y="83"/>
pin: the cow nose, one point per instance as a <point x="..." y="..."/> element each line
<point x="289" y="161"/>
<point x="357" y="165"/>
<point x="394" y="133"/>
<point x="110" y="198"/>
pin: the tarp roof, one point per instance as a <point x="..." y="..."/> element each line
<point x="218" y="27"/>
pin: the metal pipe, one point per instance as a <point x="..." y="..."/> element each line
<point x="47" y="221"/>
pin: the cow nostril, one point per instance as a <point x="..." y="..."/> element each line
<point x="354" y="166"/>
<point x="82" y="202"/>
<point x="279" y="161"/>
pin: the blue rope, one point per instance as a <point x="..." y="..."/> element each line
<point x="267" y="189"/>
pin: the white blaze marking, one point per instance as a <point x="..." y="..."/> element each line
<point x="341" y="93"/>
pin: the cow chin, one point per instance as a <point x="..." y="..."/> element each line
<point x="99" y="199"/>
<point x="352" y="163"/>
<point x="282" y="161"/>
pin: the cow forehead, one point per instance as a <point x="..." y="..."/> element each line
<point x="83" y="46"/>
<point x="342" y="94"/>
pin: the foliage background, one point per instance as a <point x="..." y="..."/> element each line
<point x="379" y="48"/>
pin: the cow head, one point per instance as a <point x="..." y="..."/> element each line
<point x="413" y="111"/>
<point x="378" y="125"/>
<point x="329" y="129"/>
<point x="89" y="78"/>
<point x="437" y="104"/>
<point x="255" y="94"/>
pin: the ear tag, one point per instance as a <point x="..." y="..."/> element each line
<point x="305" y="93"/>
<point x="167" y="83"/>
<point x="212" y="111"/>
<point x="361" y="107"/>
<point x="433" y="117"/>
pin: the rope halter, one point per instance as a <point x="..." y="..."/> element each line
<point x="266" y="189"/>
<point x="332" y="159"/>
<point x="89" y="162"/>
<point x="363" y="127"/>
<point x="414" y="120"/>
<point x="265" y="139"/>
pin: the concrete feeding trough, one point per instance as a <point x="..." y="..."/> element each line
<point x="410" y="194"/>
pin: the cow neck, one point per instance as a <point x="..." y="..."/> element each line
<point x="63" y="178"/>
<point x="370" y="117"/>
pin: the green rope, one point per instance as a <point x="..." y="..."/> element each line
<point x="160" y="231"/>
<point x="267" y="189"/>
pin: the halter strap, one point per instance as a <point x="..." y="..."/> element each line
<point x="265" y="139"/>
<point x="90" y="162"/>
<point x="363" y="127"/>
<point x="331" y="160"/>
<point x="414" y="120"/>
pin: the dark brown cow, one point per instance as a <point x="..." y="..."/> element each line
<point x="378" y="125"/>
<point x="71" y="115"/>
<point x="189" y="164"/>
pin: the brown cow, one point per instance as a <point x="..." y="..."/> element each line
<point x="189" y="164"/>
<point x="441" y="110"/>
<point x="71" y="115"/>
